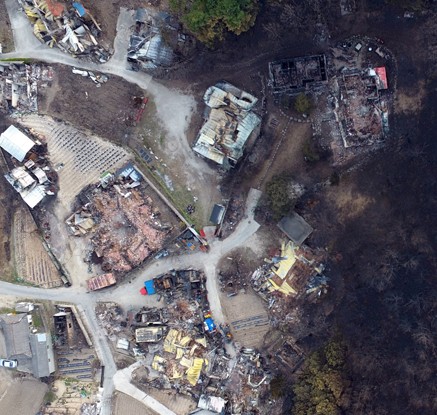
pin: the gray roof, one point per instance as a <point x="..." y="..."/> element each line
<point x="217" y="214"/>
<point x="295" y="227"/>
<point x="43" y="361"/>
<point x="16" y="332"/>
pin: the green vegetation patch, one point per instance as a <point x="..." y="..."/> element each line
<point x="322" y="382"/>
<point x="278" y="196"/>
<point x="208" y="20"/>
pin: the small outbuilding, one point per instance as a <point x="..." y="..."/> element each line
<point x="295" y="227"/>
<point x="217" y="215"/>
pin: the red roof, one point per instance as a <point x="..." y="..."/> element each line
<point x="382" y="75"/>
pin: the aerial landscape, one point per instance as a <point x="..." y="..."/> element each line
<point x="218" y="207"/>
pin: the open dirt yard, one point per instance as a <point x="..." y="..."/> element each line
<point x="179" y="404"/>
<point x="125" y="405"/>
<point x="32" y="261"/>
<point x="20" y="396"/>
<point x="247" y="317"/>
<point x="104" y="111"/>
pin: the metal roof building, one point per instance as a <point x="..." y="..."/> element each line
<point x="229" y="124"/>
<point x="15" y="143"/>
<point x="43" y="360"/>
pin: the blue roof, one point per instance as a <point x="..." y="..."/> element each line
<point x="150" y="287"/>
<point x="80" y="9"/>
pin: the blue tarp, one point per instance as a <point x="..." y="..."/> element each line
<point x="80" y="9"/>
<point x="209" y="324"/>
<point x="150" y="287"/>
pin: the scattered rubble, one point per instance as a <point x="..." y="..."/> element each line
<point x="296" y="271"/>
<point x="230" y="122"/>
<point x="69" y="26"/>
<point x="157" y="41"/>
<point x="182" y="348"/>
<point x="19" y="85"/>
<point x="98" y="79"/>
<point x="34" y="179"/>
<point x="126" y="227"/>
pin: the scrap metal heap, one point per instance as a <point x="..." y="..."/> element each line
<point x="68" y="25"/>
<point x="126" y="226"/>
<point x="19" y="85"/>
<point x="230" y="122"/>
<point x="294" y="272"/>
<point x="32" y="175"/>
<point x="182" y="348"/>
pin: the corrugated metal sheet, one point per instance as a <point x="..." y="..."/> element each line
<point x="15" y="143"/>
<point x="229" y="125"/>
<point x="101" y="281"/>
<point x="156" y="51"/>
<point x="34" y="196"/>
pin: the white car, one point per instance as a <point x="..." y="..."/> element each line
<point x="11" y="364"/>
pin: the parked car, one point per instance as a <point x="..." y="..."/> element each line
<point x="11" y="364"/>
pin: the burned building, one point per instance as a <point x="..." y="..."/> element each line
<point x="69" y="26"/>
<point x="29" y="180"/>
<point x="229" y="123"/>
<point x="19" y="85"/>
<point x="288" y="273"/>
<point x="360" y="110"/>
<point x="156" y="41"/>
<point x="295" y="75"/>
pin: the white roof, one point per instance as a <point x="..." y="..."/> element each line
<point x="15" y="143"/>
<point x="34" y="196"/>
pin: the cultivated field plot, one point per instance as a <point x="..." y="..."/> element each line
<point x="79" y="158"/>
<point x="125" y="405"/>
<point x="33" y="263"/>
<point x="247" y="318"/>
<point x="20" y="397"/>
<point x="70" y="395"/>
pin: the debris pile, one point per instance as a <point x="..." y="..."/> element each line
<point x="126" y="226"/>
<point x="294" y="272"/>
<point x="32" y="177"/>
<point x="361" y="113"/>
<point x="229" y="123"/>
<point x="69" y="26"/>
<point x="19" y="85"/>
<point x="156" y="41"/>
<point x="98" y="79"/>
<point x="110" y="317"/>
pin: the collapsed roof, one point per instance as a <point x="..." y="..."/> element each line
<point x="229" y="124"/>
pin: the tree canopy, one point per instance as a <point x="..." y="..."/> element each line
<point x="302" y="104"/>
<point x="278" y="196"/>
<point x="209" y="19"/>
<point x="322" y="382"/>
